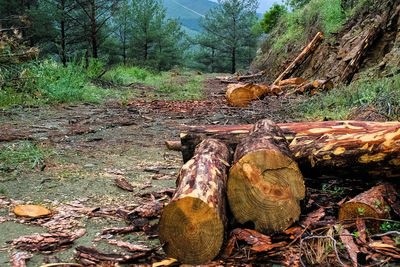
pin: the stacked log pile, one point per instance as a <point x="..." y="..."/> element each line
<point x="241" y="94"/>
<point x="264" y="185"/>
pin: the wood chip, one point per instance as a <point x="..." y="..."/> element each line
<point x="123" y="184"/>
<point x="32" y="211"/>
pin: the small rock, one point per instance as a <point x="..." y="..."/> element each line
<point x="89" y="165"/>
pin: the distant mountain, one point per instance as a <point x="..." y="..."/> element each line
<point x="188" y="12"/>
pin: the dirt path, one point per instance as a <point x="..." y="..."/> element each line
<point x="91" y="145"/>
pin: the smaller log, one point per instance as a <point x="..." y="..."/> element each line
<point x="310" y="48"/>
<point x="251" y="76"/>
<point x="275" y="90"/>
<point x="308" y="87"/>
<point x="240" y="94"/>
<point x="292" y="81"/>
<point x="192" y="226"/>
<point x="265" y="184"/>
<point x="173" y="145"/>
<point x="369" y="204"/>
<point x="323" y="84"/>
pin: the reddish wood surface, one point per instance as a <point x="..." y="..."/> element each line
<point x="372" y="148"/>
<point x="369" y="204"/>
<point x="192" y="226"/>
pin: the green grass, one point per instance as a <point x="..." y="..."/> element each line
<point x="22" y="155"/>
<point x="382" y="94"/>
<point x="124" y="75"/>
<point x="320" y="15"/>
<point x="49" y="83"/>
<point x="184" y="86"/>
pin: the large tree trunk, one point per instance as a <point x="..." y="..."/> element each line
<point x="93" y="28"/>
<point x="192" y="226"/>
<point x="310" y="48"/>
<point x="63" y="35"/>
<point x="265" y="184"/>
<point x="371" y="148"/>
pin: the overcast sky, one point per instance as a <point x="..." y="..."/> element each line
<point x="264" y="5"/>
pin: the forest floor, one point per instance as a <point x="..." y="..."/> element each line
<point x="90" y="146"/>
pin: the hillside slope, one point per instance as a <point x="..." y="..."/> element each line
<point x="339" y="50"/>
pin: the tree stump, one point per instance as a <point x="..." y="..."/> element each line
<point x="192" y="226"/>
<point x="265" y="184"/>
<point x="369" y="204"/>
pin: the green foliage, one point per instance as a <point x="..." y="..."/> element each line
<point x="58" y="84"/>
<point x="189" y="90"/>
<point x="95" y="68"/>
<point x="228" y="41"/>
<point x="156" y="41"/>
<point x="272" y="16"/>
<point x="294" y="4"/>
<point x="22" y="155"/>
<point x="337" y="104"/>
<point x="337" y="190"/>
<point x="390" y="226"/>
<point x="49" y="82"/>
<point x="320" y="15"/>
<point x="361" y="211"/>
<point x="125" y="75"/>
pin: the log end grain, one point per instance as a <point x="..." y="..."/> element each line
<point x="240" y="95"/>
<point x="191" y="231"/>
<point x="369" y="204"/>
<point x="265" y="187"/>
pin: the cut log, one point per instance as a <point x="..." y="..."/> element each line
<point x="292" y="81"/>
<point x="173" y="145"/>
<point x="275" y="90"/>
<point x="323" y="84"/>
<point x="338" y="147"/>
<point x="310" y="48"/>
<point x="265" y="184"/>
<point x="370" y="204"/>
<point x="192" y="226"/>
<point x="240" y="94"/>
<point x="308" y="87"/>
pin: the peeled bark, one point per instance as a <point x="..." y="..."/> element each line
<point x="310" y="48"/>
<point x="192" y="226"/>
<point x="265" y="184"/>
<point x="369" y="204"/>
<point x="240" y="95"/>
<point x="372" y="148"/>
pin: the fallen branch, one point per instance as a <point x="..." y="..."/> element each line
<point x="310" y="48"/>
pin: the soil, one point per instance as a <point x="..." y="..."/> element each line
<point x="94" y="144"/>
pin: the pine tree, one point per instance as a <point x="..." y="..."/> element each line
<point x="230" y="26"/>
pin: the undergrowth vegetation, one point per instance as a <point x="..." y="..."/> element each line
<point x="295" y="27"/>
<point x="22" y="155"/>
<point x="49" y="83"/>
<point x="378" y="95"/>
<point x="167" y="85"/>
